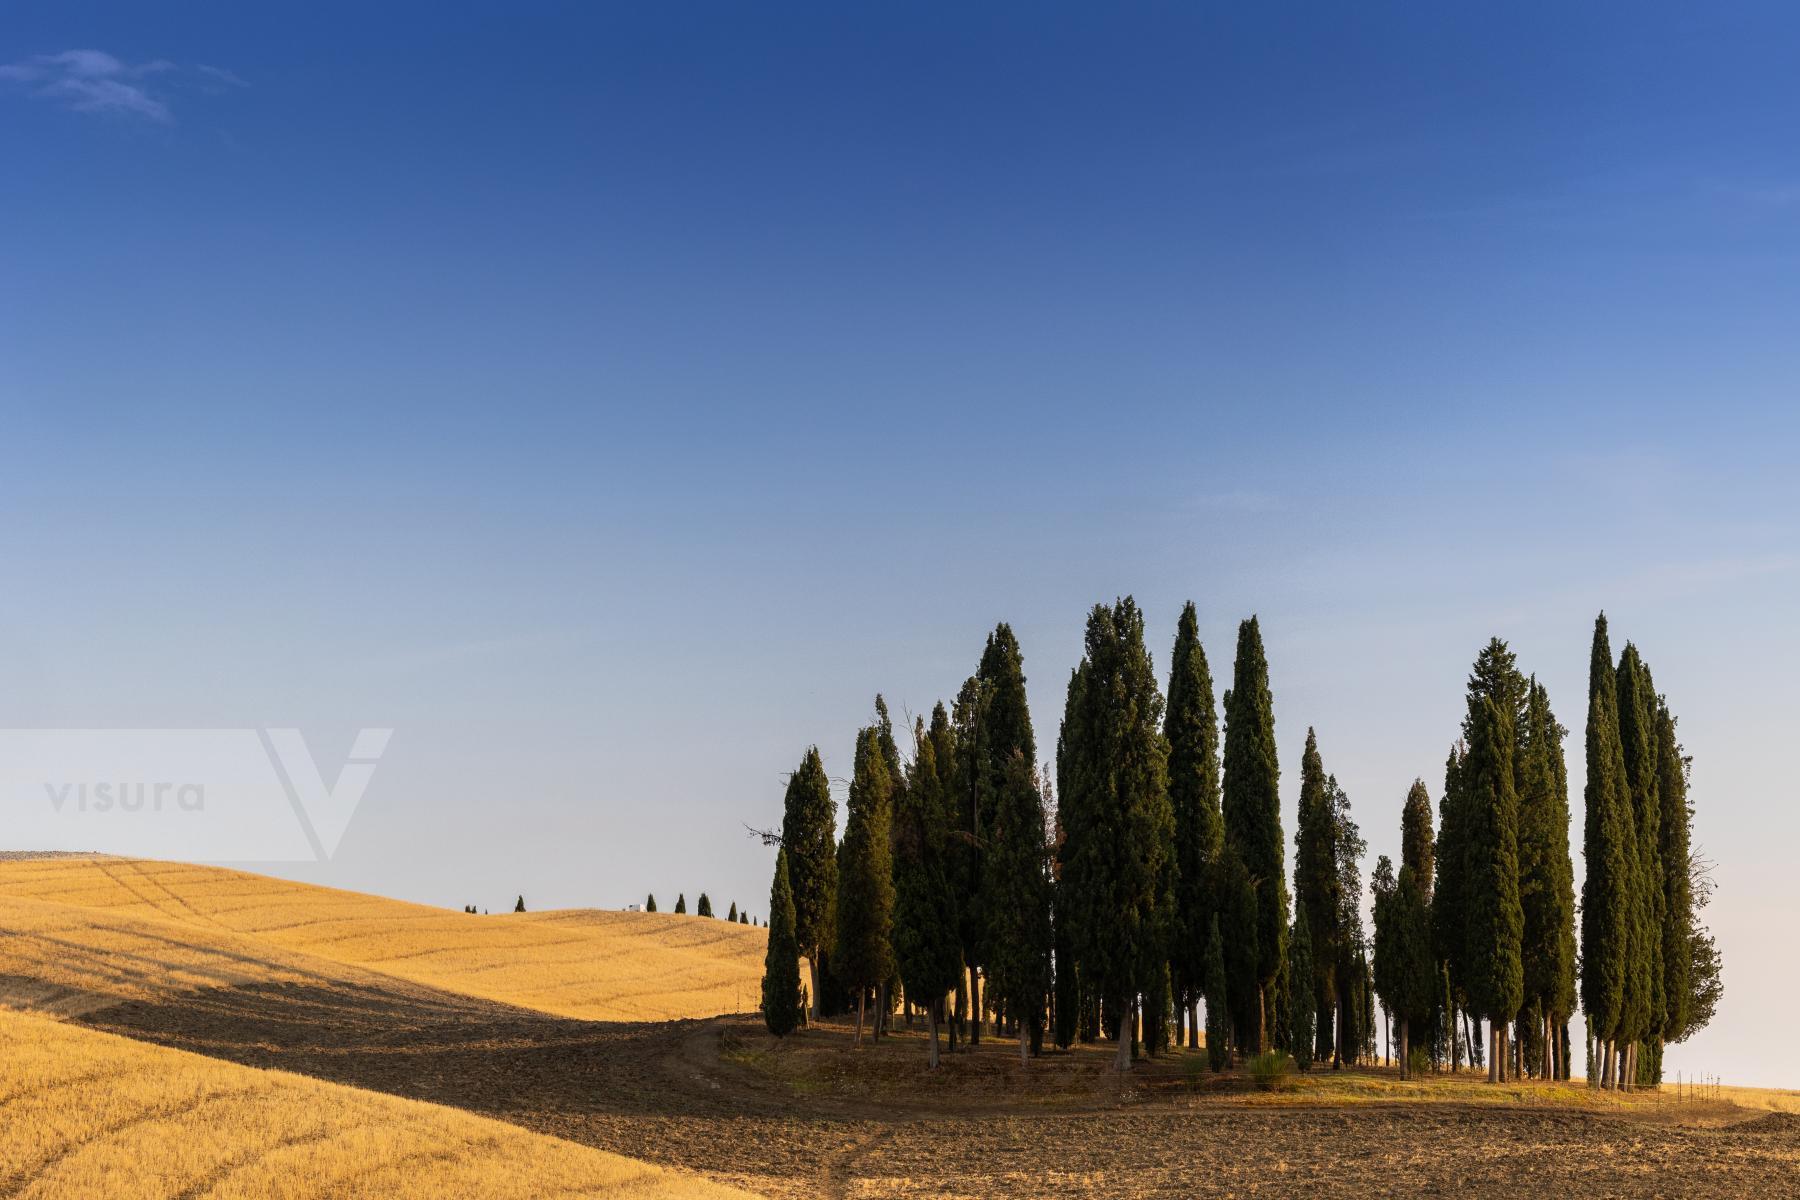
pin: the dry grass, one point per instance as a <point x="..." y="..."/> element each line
<point x="608" y="966"/>
<point x="89" y="1114"/>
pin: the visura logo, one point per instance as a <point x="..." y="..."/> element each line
<point x="105" y="796"/>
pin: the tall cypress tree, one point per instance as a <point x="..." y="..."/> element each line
<point x="1607" y="845"/>
<point x="927" y="941"/>
<point x="1118" y="847"/>
<point x="1405" y="972"/>
<point x="1351" y="946"/>
<point x="809" y="835"/>
<point x="1546" y="874"/>
<point x="1251" y="811"/>
<point x="1449" y="908"/>
<point x="1494" y="920"/>
<point x="865" y="917"/>
<point x="680" y="904"/>
<point x="1018" y="904"/>
<point x="781" y="961"/>
<point x="1678" y="895"/>
<point x="1191" y="727"/>
<point x="1317" y="894"/>
<point x="1645" y="1005"/>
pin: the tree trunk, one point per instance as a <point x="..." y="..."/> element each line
<point x="862" y="998"/>
<point x="975" y="1013"/>
<point x="1024" y="1046"/>
<point x="1127" y="1027"/>
<point x="1493" y="1059"/>
<point x="1262" y="1018"/>
<point x="1405" y="1058"/>
<point x="812" y="1010"/>
<point x="931" y="1020"/>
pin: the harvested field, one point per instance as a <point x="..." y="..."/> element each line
<point x="608" y="966"/>
<point x="87" y="1115"/>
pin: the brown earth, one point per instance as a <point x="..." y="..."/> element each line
<point x="813" y="1117"/>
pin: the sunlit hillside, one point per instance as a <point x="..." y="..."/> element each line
<point x="611" y="966"/>
<point x="88" y="1114"/>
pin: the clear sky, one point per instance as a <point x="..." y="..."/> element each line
<point x="611" y="399"/>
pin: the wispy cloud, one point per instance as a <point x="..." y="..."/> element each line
<point x="93" y="81"/>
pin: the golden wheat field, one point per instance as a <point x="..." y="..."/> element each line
<point x="604" y="966"/>
<point x="88" y="1114"/>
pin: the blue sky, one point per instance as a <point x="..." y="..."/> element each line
<point x="611" y="399"/>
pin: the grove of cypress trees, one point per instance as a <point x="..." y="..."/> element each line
<point x="1316" y="893"/>
<point x="927" y="940"/>
<point x="1118" y="847"/>
<point x="1546" y="875"/>
<point x="781" y="961"/>
<point x="809" y="835"/>
<point x="863" y="954"/>
<point x="1251" y="812"/>
<point x="1607" y="845"/>
<point x="1191" y="726"/>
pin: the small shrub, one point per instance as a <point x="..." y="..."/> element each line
<point x="1421" y="1060"/>
<point x="1270" y="1070"/>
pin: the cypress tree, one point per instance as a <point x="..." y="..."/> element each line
<point x="744" y="918"/>
<point x="1606" y="845"/>
<point x="1418" y="848"/>
<point x="809" y="835"/>
<point x="1675" y="851"/>
<point x="1546" y="874"/>
<point x="781" y="961"/>
<point x="1317" y="894"/>
<point x="1303" y="1004"/>
<point x="731" y="914"/>
<point x="927" y="940"/>
<point x="1495" y="921"/>
<point x="1218" y="1019"/>
<point x="1644" y="1001"/>
<point x="1449" y="920"/>
<point x="1351" y="944"/>
<point x="650" y="904"/>
<point x="704" y="907"/>
<point x="520" y="906"/>
<point x="1251" y="812"/>
<point x="1191" y="726"/>
<point x="863" y="956"/>
<point x="680" y="903"/>
<point x="1018" y="904"/>
<point x="1119" y="831"/>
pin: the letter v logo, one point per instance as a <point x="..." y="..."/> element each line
<point x="325" y="812"/>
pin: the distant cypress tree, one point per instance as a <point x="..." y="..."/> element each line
<point x="1191" y="726"/>
<point x="1678" y="896"/>
<point x="704" y="907"/>
<point x="1218" y="1018"/>
<point x="1607" y="844"/>
<point x="1303" y="1004"/>
<point x="1546" y="874"/>
<point x="520" y="906"/>
<point x="1317" y="894"/>
<point x="1251" y="812"/>
<point x="731" y="914"/>
<point x="1418" y="848"/>
<point x="650" y="904"/>
<point x="1449" y="921"/>
<point x="1119" y="831"/>
<point x="1645" y="1004"/>
<point x="1406" y="972"/>
<point x="681" y="903"/>
<point x="744" y="918"/>
<point x="781" y="961"/>
<point x="865" y="914"/>
<point x="809" y="835"/>
<point x="1495" y="921"/>
<point x="927" y="941"/>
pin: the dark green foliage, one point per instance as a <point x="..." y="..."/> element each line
<point x="1607" y="845"/>
<point x="1675" y="850"/>
<point x="1406" y="976"/>
<point x="1218" y="1018"/>
<point x="1495" y="921"/>
<point x="781" y="962"/>
<point x="927" y="941"/>
<point x="704" y="907"/>
<point x="1546" y="874"/>
<point x="1068" y="975"/>
<point x="863" y="954"/>
<point x="743" y="918"/>
<point x="1117" y="862"/>
<point x="809" y="835"/>
<point x="1316" y="891"/>
<point x="1418" y="848"/>
<point x="680" y="903"/>
<point x="1644" y="1008"/>
<point x="1191" y="726"/>
<point x="1251" y="812"/>
<point x="731" y="914"/>
<point x="1018" y="901"/>
<point x="1449" y="919"/>
<point x="520" y="906"/>
<point x="1302" y="1003"/>
<point x="650" y="904"/>
<point x="1238" y="920"/>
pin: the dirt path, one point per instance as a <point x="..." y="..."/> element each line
<point x="684" y="1094"/>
